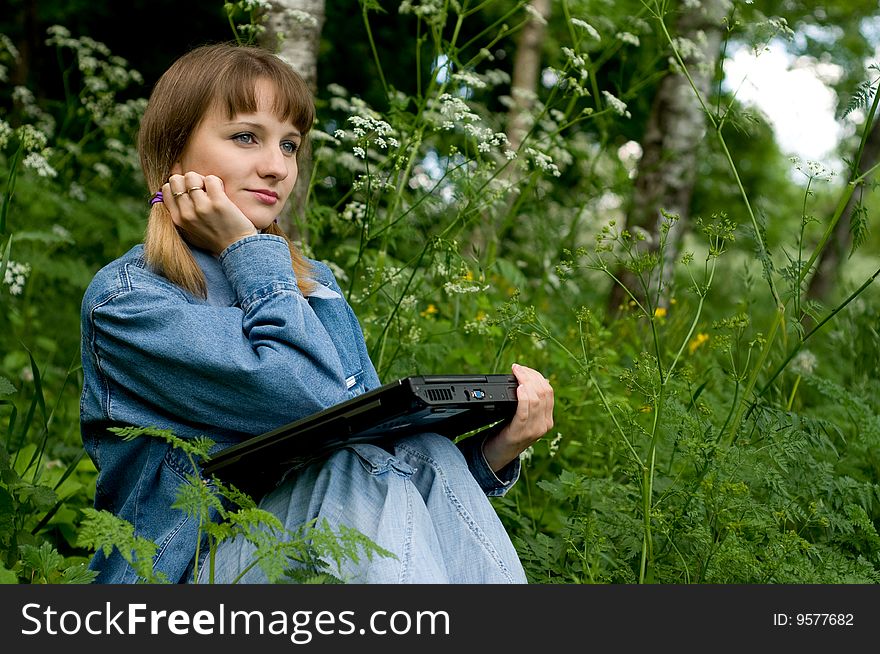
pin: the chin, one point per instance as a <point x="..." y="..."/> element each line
<point x="262" y="223"/>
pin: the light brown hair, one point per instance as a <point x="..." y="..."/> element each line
<point x="222" y="75"/>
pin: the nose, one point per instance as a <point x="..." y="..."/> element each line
<point x="274" y="164"/>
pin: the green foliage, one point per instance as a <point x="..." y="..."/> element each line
<point x="305" y="555"/>
<point x="721" y="429"/>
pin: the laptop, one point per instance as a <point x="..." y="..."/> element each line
<point x="451" y="405"/>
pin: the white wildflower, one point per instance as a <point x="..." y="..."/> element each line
<point x="496" y="77"/>
<point x="301" y="17"/>
<point x="37" y="162"/>
<point x="804" y="363"/>
<point x="618" y="105"/>
<point x="359" y="152"/>
<point x="77" y="192"/>
<point x="429" y="10"/>
<point x="467" y="78"/>
<point x="354" y="212"/>
<point x="337" y="90"/>
<point x="589" y="29"/>
<point x="544" y="162"/>
<point x="463" y="286"/>
<point x="15" y="276"/>
<point x="62" y="233"/>
<point x="7" y="44"/>
<point x="554" y="444"/>
<point x="627" y="37"/>
<point x="31" y="138"/>
<point x="535" y="14"/>
<point x="103" y="170"/>
<point x="5" y="133"/>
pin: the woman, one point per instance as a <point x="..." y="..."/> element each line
<point x="217" y="325"/>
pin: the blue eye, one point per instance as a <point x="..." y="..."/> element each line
<point x="289" y="147"/>
<point x="244" y="137"/>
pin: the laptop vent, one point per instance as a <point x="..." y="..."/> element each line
<point x="437" y="394"/>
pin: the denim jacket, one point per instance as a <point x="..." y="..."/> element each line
<point x="254" y="355"/>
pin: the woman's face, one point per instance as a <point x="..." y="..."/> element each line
<point x="254" y="154"/>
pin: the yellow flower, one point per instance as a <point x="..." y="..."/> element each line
<point x="697" y="341"/>
<point x="660" y="312"/>
<point x="430" y="311"/>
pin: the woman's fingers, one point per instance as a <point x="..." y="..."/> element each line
<point x="534" y="412"/>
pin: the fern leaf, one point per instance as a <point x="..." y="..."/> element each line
<point x="858" y="227"/>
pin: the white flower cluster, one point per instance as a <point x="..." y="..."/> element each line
<point x="577" y="62"/>
<point x="15" y="276"/>
<point x="453" y="110"/>
<point x="813" y="169"/>
<point x="544" y="162"/>
<point x="252" y="5"/>
<point x="463" y="286"/>
<point x="618" y="105"/>
<point x="589" y="29"/>
<point x="31" y="138"/>
<point x="804" y="363"/>
<point x="628" y="37"/>
<point x="368" y="128"/>
<point x="354" y="212"/>
<point x="429" y="10"/>
<point x="468" y="78"/>
<point x="535" y="14"/>
<point x="781" y="25"/>
<point x="690" y="50"/>
<point x="5" y="133"/>
<point x="8" y="52"/>
<point x="302" y="17"/>
<point x="38" y="162"/>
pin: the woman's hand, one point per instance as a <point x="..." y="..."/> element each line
<point x="203" y="213"/>
<point x="533" y="419"/>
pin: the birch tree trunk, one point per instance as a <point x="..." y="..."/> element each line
<point x="293" y="31"/>
<point x="675" y="130"/>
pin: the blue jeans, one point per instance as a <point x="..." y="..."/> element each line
<point x="416" y="499"/>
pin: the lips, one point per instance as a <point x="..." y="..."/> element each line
<point x="264" y="195"/>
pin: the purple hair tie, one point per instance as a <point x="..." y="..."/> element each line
<point x="156" y="198"/>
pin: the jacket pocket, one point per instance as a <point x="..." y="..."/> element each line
<point x="377" y="460"/>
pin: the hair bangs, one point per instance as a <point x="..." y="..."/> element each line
<point x="292" y="101"/>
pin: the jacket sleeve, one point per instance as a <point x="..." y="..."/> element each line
<point x="245" y="368"/>
<point x="493" y="483"/>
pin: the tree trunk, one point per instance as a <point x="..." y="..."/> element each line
<point x="830" y="259"/>
<point x="675" y="130"/>
<point x="526" y="71"/>
<point x="293" y="30"/>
